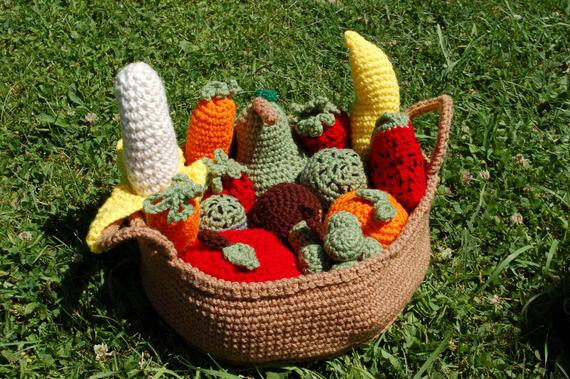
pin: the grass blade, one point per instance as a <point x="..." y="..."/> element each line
<point x="501" y="266"/>
<point x="429" y="362"/>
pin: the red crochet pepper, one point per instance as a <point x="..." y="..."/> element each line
<point x="396" y="160"/>
<point x="275" y="260"/>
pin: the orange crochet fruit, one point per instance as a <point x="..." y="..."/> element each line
<point x="175" y="211"/>
<point x="183" y="234"/>
<point x="211" y="124"/>
<point x="384" y="230"/>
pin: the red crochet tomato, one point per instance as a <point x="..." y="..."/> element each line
<point x="275" y="260"/>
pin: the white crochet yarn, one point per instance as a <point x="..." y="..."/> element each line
<point x="149" y="140"/>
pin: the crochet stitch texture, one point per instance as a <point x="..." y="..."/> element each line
<point x="222" y="212"/>
<point x="266" y="146"/>
<point x="150" y="148"/>
<point x="282" y="207"/>
<point x="397" y="164"/>
<point x="384" y="231"/>
<point x="211" y="124"/>
<point x="332" y="172"/>
<point x="275" y="260"/>
<point x="319" y="124"/>
<point x="375" y="85"/>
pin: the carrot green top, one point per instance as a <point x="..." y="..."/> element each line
<point x="220" y="89"/>
<point x="174" y="199"/>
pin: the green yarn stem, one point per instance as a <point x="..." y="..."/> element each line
<point x="174" y="199"/>
<point x="384" y="211"/>
<point x="267" y="94"/>
<point x="242" y="255"/>
<point x="344" y="239"/>
<point x="222" y="166"/>
<point x="220" y="89"/>
<point x="391" y="120"/>
<point x="222" y="212"/>
<point x="311" y="116"/>
<point x="301" y="235"/>
<point x="313" y="259"/>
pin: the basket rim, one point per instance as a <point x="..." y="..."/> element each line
<point x="288" y="286"/>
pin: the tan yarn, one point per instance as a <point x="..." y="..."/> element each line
<point x="308" y="317"/>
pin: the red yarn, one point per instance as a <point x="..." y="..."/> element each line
<point x="335" y="135"/>
<point x="398" y="165"/>
<point x="241" y="189"/>
<point x="275" y="260"/>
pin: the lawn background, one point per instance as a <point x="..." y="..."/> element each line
<point x="486" y="306"/>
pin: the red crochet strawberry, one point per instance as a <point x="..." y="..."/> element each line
<point x="249" y="255"/>
<point x="226" y="176"/>
<point x="319" y="124"/>
<point x="396" y="160"/>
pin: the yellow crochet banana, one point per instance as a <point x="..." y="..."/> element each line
<point x="375" y="85"/>
<point x="123" y="201"/>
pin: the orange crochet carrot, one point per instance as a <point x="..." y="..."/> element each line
<point x="381" y="216"/>
<point x="175" y="212"/>
<point x="211" y="124"/>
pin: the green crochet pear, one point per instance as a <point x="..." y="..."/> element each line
<point x="265" y="144"/>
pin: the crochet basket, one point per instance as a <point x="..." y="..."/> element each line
<point x="308" y="317"/>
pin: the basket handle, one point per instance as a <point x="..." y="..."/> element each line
<point x="114" y="235"/>
<point x="444" y="105"/>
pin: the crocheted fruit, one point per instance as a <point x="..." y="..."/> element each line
<point x="319" y="124"/>
<point x="147" y="153"/>
<point x="150" y="152"/>
<point x="225" y="176"/>
<point x="212" y="257"/>
<point x="376" y="89"/>
<point x="266" y="146"/>
<point x="396" y="160"/>
<point x="175" y="211"/>
<point x="333" y="172"/>
<point x="344" y="240"/>
<point x="283" y="206"/>
<point x="211" y="124"/>
<point x="380" y="214"/>
<point x="222" y="212"/>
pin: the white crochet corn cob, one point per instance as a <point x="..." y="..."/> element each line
<point x="150" y="148"/>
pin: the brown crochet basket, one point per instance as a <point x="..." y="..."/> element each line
<point x="308" y="317"/>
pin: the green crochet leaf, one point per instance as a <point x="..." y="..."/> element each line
<point x="267" y="94"/>
<point x="384" y="211"/>
<point x="242" y="255"/>
<point x="313" y="259"/>
<point x="309" y="117"/>
<point x="301" y="235"/>
<point x="344" y="239"/>
<point x="220" y="89"/>
<point x="175" y="199"/>
<point x="391" y="120"/>
<point x="222" y="166"/>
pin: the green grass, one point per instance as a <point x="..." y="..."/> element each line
<point x="485" y="306"/>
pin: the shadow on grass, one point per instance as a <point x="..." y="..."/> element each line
<point x="546" y="325"/>
<point x="121" y="296"/>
